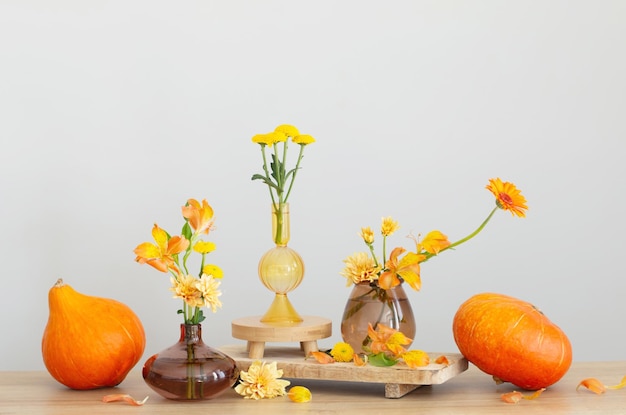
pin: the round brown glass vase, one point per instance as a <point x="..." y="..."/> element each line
<point x="370" y="304"/>
<point x="190" y="370"/>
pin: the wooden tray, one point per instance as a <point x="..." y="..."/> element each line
<point x="399" y="379"/>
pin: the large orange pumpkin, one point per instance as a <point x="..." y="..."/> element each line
<point x="511" y="340"/>
<point x="90" y="342"/>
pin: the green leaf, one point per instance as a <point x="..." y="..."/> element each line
<point x="381" y="360"/>
<point x="258" y="176"/>
<point x="201" y="316"/>
<point x="186" y="232"/>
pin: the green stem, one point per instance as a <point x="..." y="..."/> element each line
<point x="278" y="212"/>
<point x="201" y="265"/>
<point x="267" y="174"/>
<point x="384" y="249"/>
<point x="279" y="175"/>
<point x="293" y="177"/>
<point x="468" y="237"/>
<point x="373" y="254"/>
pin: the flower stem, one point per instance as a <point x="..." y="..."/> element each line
<point x="267" y="174"/>
<point x="293" y="177"/>
<point x="468" y="237"/>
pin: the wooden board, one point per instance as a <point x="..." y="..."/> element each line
<point x="399" y="379"/>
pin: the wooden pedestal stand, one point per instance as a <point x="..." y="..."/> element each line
<point x="257" y="333"/>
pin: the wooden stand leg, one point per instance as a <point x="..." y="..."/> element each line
<point x="398" y="390"/>
<point x="308" y="347"/>
<point x="256" y="350"/>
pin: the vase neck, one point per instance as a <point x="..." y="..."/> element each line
<point x="280" y="223"/>
<point x="191" y="333"/>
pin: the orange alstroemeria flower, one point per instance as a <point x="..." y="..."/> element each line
<point x="433" y="242"/>
<point x="160" y="256"/>
<point x="408" y="268"/>
<point x="387" y="339"/>
<point x="200" y="216"/>
<point x="508" y="197"/>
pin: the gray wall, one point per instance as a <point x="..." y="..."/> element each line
<point x="113" y="113"/>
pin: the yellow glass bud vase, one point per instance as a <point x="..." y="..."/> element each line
<point x="281" y="270"/>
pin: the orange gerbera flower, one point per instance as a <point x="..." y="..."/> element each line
<point x="508" y="197"/>
<point x="200" y="216"/>
<point x="160" y="256"/>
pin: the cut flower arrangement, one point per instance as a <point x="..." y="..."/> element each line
<point x="196" y="291"/>
<point x="275" y="175"/>
<point x="376" y="275"/>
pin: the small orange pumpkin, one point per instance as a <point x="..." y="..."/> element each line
<point x="90" y="342"/>
<point x="511" y="340"/>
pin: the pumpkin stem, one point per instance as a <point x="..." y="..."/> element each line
<point x="59" y="283"/>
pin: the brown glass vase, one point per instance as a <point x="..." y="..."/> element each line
<point x="190" y="370"/>
<point x="370" y="304"/>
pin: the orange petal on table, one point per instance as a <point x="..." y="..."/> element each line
<point x="123" y="397"/>
<point x="619" y="385"/>
<point x="358" y="360"/>
<point x="515" y="396"/>
<point x="442" y="360"/>
<point x="322" y="357"/>
<point x="593" y="384"/>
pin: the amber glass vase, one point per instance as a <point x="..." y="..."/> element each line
<point x="281" y="269"/>
<point x="368" y="303"/>
<point x="190" y="370"/>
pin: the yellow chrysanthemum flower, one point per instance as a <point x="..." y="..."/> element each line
<point x="185" y="287"/>
<point x="388" y="226"/>
<point x="264" y="139"/>
<point x="209" y="288"/>
<point x="342" y="352"/>
<point x="416" y="358"/>
<point x="287" y="130"/>
<point x="203" y="247"/>
<point x="299" y="394"/>
<point x="303" y="139"/>
<point x="360" y="267"/>
<point x="213" y="270"/>
<point x="260" y="381"/>
<point x="508" y="197"/>
<point x="368" y="235"/>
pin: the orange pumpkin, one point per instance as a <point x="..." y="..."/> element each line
<point x="511" y="340"/>
<point x="90" y="342"/>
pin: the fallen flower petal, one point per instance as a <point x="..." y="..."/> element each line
<point x="593" y="384"/>
<point x="511" y="397"/>
<point x="299" y="394"/>
<point x="416" y="358"/>
<point x="515" y="396"/>
<point x="619" y="385"/>
<point x="123" y="397"/>
<point x="360" y="361"/>
<point x="442" y="360"/>
<point x="323" y="358"/>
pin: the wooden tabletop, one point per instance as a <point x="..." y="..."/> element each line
<point x="472" y="392"/>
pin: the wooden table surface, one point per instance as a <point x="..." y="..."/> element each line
<point x="471" y="392"/>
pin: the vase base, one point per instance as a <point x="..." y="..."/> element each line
<point x="281" y="312"/>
